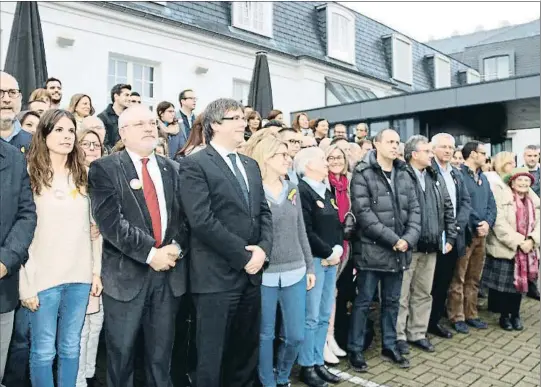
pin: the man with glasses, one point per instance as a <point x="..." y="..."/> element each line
<point x="230" y="240"/>
<point x="438" y="234"/>
<point x="462" y="304"/>
<point x="293" y="139"/>
<point x="10" y="105"/>
<point x="135" y="204"/>
<point x="187" y="101"/>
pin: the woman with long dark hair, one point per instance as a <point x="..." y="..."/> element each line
<point x="58" y="277"/>
<point x="169" y="127"/>
<point x="196" y="140"/>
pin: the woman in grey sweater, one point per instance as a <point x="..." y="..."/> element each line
<point x="290" y="272"/>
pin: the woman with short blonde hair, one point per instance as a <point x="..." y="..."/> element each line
<point x="291" y="269"/>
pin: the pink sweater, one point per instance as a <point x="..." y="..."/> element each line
<point x="61" y="251"/>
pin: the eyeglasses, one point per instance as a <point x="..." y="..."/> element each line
<point x="295" y="142"/>
<point x="284" y="155"/>
<point x="89" y="144"/>
<point x="234" y="118"/>
<point x="13" y="93"/>
<point x="333" y="158"/>
<point x="309" y="146"/>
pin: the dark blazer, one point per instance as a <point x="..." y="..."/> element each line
<point x="122" y="216"/>
<point x="17" y="221"/>
<point x="22" y="141"/>
<point x="221" y="225"/>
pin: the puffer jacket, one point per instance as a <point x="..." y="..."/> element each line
<point x="384" y="215"/>
<point x="430" y="240"/>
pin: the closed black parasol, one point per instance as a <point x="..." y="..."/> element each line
<point x="260" y="97"/>
<point x="25" y="59"/>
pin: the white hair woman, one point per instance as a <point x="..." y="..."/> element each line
<point x="291" y="270"/>
<point x="325" y="234"/>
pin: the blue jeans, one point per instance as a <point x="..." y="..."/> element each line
<point x="292" y="301"/>
<point x="61" y="309"/>
<point x="319" y="303"/>
<point x="17" y="372"/>
<point x="367" y="284"/>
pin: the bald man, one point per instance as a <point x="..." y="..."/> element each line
<point x="135" y="203"/>
<point x="10" y="105"/>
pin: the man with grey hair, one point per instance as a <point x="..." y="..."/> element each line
<point x="10" y="105"/>
<point x="443" y="147"/>
<point x="231" y="238"/>
<point x="531" y="161"/>
<point x="438" y="234"/>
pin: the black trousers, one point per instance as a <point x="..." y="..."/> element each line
<point x="184" y="351"/>
<point x="443" y="274"/>
<point x="227" y="337"/>
<point x="154" y="309"/>
<point x="508" y="304"/>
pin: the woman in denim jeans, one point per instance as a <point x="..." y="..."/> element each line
<point x="56" y="282"/>
<point x="325" y="234"/>
<point x="290" y="272"/>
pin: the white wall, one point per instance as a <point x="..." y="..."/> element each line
<point x="522" y="138"/>
<point x="174" y="52"/>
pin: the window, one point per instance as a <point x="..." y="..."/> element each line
<point x="496" y="67"/>
<point x="472" y="76"/>
<point x="442" y="71"/>
<point x="241" y="91"/>
<point x="402" y="60"/>
<point x="253" y="16"/>
<point x="141" y="77"/>
<point x="337" y="93"/>
<point x="340" y="34"/>
<point x="376" y="127"/>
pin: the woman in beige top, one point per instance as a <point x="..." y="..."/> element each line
<point x="63" y="265"/>
<point x="81" y="107"/>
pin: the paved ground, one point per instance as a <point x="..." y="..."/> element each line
<point x="487" y="358"/>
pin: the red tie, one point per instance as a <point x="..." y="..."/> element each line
<point x="152" y="203"/>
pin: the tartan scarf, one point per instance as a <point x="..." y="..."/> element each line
<point x="340" y="186"/>
<point x="526" y="265"/>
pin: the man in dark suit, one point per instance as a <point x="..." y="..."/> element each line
<point x="231" y="236"/>
<point x="17" y="224"/>
<point x="135" y="203"/>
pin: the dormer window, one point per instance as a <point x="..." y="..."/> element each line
<point x="340" y="33"/>
<point x="402" y="59"/>
<point x="473" y="76"/>
<point x="442" y="71"/>
<point x="253" y="16"/>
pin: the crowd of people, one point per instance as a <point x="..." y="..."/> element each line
<point x="242" y="243"/>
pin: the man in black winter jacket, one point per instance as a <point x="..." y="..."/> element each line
<point x="384" y="201"/>
<point x="438" y="233"/>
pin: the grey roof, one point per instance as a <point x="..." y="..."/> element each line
<point x="459" y="43"/>
<point x="297" y="31"/>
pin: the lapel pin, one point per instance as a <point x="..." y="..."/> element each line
<point x="320" y="204"/>
<point x="135" y="184"/>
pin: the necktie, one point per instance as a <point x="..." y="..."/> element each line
<point x="151" y="198"/>
<point x="240" y="178"/>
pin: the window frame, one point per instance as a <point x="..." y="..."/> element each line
<point x="333" y="51"/>
<point x="438" y="58"/>
<point x="237" y="81"/>
<point x="268" y="16"/>
<point x="396" y="62"/>
<point x="130" y="78"/>
<point x="495" y="76"/>
<point x="470" y="73"/>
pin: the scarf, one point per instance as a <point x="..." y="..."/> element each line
<point x="340" y="186"/>
<point x="526" y="265"/>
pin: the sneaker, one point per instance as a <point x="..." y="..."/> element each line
<point x="477" y="323"/>
<point x="461" y="327"/>
<point x="403" y="347"/>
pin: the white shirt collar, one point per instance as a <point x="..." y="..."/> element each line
<point x="222" y="151"/>
<point x="135" y="158"/>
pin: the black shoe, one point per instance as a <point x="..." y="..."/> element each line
<point x="440" y="331"/>
<point x="91" y="382"/>
<point x="403" y="347"/>
<point x="533" y="293"/>
<point x="517" y="323"/>
<point x="424" y="344"/>
<point x="309" y="377"/>
<point x="461" y="327"/>
<point x="326" y="375"/>
<point x="357" y="362"/>
<point x="505" y="323"/>
<point x="394" y="356"/>
<point x="477" y="323"/>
